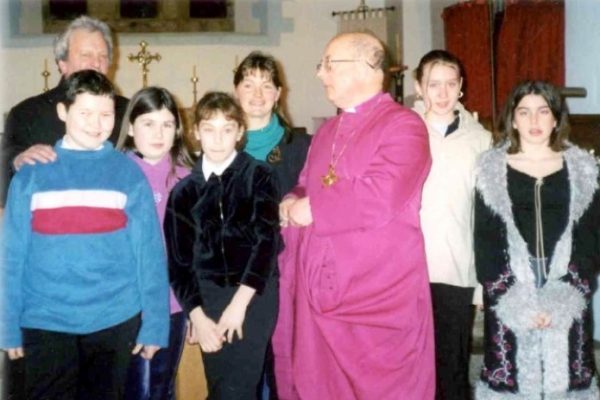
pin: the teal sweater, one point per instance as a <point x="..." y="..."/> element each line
<point x="82" y="249"/>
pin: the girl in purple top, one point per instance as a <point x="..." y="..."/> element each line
<point x="152" y="134"/>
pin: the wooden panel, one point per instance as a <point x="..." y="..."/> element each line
<point x="143" y="15"/>
<point x="585" y="131"/>
<point x="190" y="383"/>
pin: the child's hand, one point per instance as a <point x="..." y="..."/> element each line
<point x="15" y="353"/>
<point x="147" y="351"/>
<point x="232" y="319"/>
<point x="542" y="321"/>
<point x="205" y="331"/>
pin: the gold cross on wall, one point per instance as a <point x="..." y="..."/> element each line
<point x="45" y="74"/>
<point x="144" y="58"/>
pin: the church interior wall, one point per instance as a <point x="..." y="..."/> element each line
<point x="297" y="33"/>
<point x="582" y="52"/>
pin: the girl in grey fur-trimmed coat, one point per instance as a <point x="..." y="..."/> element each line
<point x="537" y="221"/>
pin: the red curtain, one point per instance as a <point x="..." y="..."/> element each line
<point x="531" y="45"/>
<point x="468" y="36"/>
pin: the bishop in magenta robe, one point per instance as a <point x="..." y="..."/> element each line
<point x="359" y="325"/>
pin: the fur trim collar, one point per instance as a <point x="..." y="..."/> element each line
<point x="492" y="184"/>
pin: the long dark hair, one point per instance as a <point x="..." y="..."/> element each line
<point x="265" y="64"/>
<point x="558" y="107"/>
<point x="148" y="100"/>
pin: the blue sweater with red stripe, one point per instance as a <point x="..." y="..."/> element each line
<point x="82" y="249"/>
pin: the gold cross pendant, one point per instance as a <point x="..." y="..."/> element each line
<point x="330" y="178"/>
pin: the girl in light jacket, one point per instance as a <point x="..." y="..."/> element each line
<point x="456" y="139"/>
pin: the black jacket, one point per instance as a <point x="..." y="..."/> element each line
<point x="225" y="229"/>
<point x="288" y="157"/>
<point x="519" y="361"/>
<point x="35" y="121"/>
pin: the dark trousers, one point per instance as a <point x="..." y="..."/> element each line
<point x="13" y="373"/>
<point x="155" y="379"/>
<point x="234" y="372"/>
<point x="453" y="324"/>
<point x="66" y="366"/>
<point x="267" y="388"/>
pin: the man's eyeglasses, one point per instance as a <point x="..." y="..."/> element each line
<point x="327" y="63"/>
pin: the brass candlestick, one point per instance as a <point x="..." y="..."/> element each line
<point x="45" y="74"/>
<point x="144" y="58"/>
<point x="194" y="80"/>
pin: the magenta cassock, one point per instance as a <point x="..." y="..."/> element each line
<point x="355" y="319"/>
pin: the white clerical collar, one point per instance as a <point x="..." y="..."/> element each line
<point x="350" y="110"/>
<point x="209" y="167"/>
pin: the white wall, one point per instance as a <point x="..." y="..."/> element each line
<point x="582" y="53"/>
<point x="417" y="40"/>
<point x="437" y="22"/>
<point x="4" y="97"/>
<point x="307" y="25"/>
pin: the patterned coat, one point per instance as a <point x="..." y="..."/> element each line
<point x="521" y="362"/>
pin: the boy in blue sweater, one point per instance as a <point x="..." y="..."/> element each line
<point x="83" y="269"/>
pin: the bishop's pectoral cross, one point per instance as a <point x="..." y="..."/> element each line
<point x="330" y="178"/>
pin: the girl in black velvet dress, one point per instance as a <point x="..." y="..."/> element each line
<point x="222" y="230"/>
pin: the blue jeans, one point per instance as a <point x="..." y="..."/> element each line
<point x="155" y="379"/>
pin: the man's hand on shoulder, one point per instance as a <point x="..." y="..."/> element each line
<point x="38" y="153"/>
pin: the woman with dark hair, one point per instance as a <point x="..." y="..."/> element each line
<point x="258" y="86"/>
<point x="537" y="216"/>
<point x="456" y="139"/>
